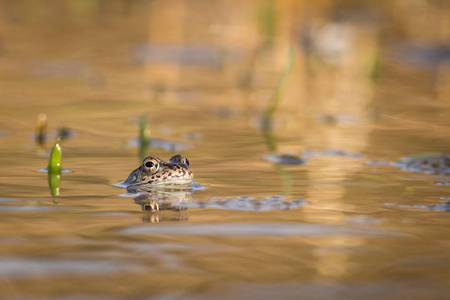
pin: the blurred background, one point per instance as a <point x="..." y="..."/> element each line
<point x="286" y="99"/>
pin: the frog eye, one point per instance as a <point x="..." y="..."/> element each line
<point x="150" y="165"/>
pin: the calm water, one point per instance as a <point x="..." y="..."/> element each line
<point x="367" y="83"/>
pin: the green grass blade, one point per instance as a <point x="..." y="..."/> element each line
<point x="273" y="103"/>
<point x="144" y="137"/>
<point x="267" y="21"/>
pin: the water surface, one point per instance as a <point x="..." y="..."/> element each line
<point x="330" y="227"/>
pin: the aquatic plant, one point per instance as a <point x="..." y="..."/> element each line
<point x="41" y="129"/>
<point x="54" y="169"/>
<point x="374" y="68"/>
<point x="144" y="137"/>
<point x="279" y="90"/>
<point x="267" y="131"/>
<point x="267" y="19"/>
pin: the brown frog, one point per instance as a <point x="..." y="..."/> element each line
<point x="157" y="172"/>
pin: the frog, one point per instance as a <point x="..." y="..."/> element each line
<point x="155" y="172"/>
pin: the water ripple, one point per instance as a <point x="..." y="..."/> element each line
<point x="265" y="229"/>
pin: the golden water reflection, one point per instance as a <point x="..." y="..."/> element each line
<point x="368" y="78"/>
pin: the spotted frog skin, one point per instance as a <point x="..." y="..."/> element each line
<point x="155" y="171"/>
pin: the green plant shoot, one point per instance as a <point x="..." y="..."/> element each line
<point x="54" y="169"/>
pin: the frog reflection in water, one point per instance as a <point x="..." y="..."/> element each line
<point x="163" y="181"/>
